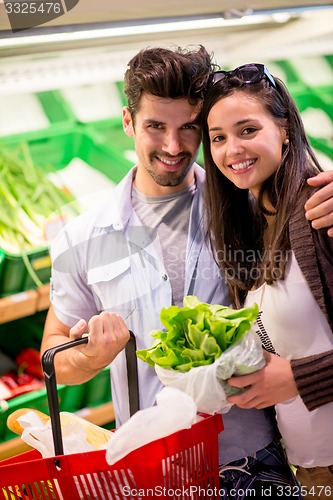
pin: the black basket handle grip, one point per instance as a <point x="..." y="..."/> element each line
<point x="51" y="384"/>
<point x="132" y="374"/>
<point x="51" y="389"/>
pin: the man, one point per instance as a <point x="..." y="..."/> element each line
<point x="147" y="248"/>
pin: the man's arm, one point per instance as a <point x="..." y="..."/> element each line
<point x="108" y="335"/>
<point x="319" y="208"/>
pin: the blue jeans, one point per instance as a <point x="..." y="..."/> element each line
<point x="264" y="475"/>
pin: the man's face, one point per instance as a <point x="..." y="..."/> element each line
<point x="167" y="138"/>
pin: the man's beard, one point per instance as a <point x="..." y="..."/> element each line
<point x="170" y="178"/>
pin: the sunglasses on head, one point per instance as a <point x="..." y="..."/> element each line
<point x="248" y="73"/>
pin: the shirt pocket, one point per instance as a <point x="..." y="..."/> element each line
<point x="113" y="286"/>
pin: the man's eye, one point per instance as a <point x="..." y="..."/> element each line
<point x="155" y="125"/>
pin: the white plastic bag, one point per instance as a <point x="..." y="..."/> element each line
<point x="174" y="411"/>
<point x="207" y="384"/>
<point x="38" y="434"/>
<point x="201" y="383"/>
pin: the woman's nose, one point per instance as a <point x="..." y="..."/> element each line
<point x="234" y="146"/>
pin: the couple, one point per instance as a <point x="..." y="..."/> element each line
<point x="147" y="248"/>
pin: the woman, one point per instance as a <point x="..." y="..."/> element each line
<point x="258" y="160"/>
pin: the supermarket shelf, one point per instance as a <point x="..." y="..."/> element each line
<point x="100" y="415"/>
<point x="24" y="304"/>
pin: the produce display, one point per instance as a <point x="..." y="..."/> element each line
<point x="25" y="374"/>
<point x="32" y="207"/>
<point x="27" y="199"/>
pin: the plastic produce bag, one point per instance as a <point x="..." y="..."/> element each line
<point x="203" y="345"/>
<point x="207" y="385"/>
<point x="174" y="411"/>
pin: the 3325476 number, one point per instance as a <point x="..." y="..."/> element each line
<point x="293" y="491"/>
<point x="33" y="7"/>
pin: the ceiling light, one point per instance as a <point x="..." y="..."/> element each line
<point x="143" y="29"/>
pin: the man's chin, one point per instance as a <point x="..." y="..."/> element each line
<point x="170" y="179"/>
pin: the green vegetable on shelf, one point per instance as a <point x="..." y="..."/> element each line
<point x="27" y="200"/>
<point x="196" y="334"/>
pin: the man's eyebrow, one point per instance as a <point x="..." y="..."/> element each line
<point x="152" y="120"/>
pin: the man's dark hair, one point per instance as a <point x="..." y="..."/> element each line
<point x="167" y="73"/>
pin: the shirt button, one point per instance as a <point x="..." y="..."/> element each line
<point x="165" y="277"/>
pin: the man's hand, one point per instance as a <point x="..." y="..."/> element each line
<point x="319" y="208"/>
<point x="108" y="335"/>
<point x="270" y="385"/>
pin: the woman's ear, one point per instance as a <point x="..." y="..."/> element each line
<point x="285" y="136"/>
<point x="127" y="122"/>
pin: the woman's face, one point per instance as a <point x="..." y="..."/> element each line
<point x="245" y="141"/>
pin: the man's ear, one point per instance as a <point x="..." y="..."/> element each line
<point x="127" y="122"/>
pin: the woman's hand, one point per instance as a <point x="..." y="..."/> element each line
<point x="272" y="384"/>
<point x="319" y="208"/>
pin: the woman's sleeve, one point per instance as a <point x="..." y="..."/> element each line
<point x="314" y="379"/>
<point x="314" y="374"/>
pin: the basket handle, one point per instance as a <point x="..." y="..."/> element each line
<point x="51" y="384"/>
<point x="132" y="374"/>
<point x="51" y="390"/>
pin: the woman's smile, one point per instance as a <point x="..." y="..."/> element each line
<point x="242" y="166"/>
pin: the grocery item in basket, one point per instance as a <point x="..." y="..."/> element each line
<point x="201" y="347"/>
<point x="174" y="410"/>
<point x="78" y="434"/>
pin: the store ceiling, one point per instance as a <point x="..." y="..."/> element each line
<point x="308" y="34"/>
<point x="128" y="11"/>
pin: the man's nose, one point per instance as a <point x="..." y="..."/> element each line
<point x="172" y="143"/>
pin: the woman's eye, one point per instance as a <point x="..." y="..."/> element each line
<point x="217" y="138"/>
<point x="249" y="130"/>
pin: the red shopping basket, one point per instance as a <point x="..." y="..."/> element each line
<point x="181" y="465"/>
